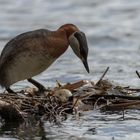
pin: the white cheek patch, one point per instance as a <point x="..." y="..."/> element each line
<point x="74" y="45"/>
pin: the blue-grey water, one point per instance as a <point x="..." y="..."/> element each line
<point x="113" y="31"/>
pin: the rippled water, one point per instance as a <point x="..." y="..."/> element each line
<point x="113" y="32"/>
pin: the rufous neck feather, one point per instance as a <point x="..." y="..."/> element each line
<point x="69" y="29"/>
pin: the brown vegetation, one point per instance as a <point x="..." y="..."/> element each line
<point x="56" y="103"/>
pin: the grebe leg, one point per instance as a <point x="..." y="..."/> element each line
<point x="37" y="84"/>
<point x="10" y="90"/>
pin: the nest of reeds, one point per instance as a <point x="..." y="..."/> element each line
<point x="55" y="104"/>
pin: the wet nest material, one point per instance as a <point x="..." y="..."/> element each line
<point x="55" y="104"/>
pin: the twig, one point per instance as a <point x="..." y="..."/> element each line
<point x="114" y="96"/>
<point x="137" y="73"/>
<point x="95" y="104"/>
<point x="76" y="102"/>
<point x="122" y="105"/>
<point x="73" y="86"/>
<point x="102" y="76"/>
<point x="132" y="89"/>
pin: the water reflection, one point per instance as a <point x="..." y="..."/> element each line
<point x="92" y="124"/>
<point x="27" y="130"/>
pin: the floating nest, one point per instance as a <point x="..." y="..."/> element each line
<point x="55" y="104"/>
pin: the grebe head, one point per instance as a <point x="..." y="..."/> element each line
<point x="78" y="42"/>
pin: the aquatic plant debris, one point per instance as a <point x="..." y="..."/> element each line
<point x="56" y="103"/>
